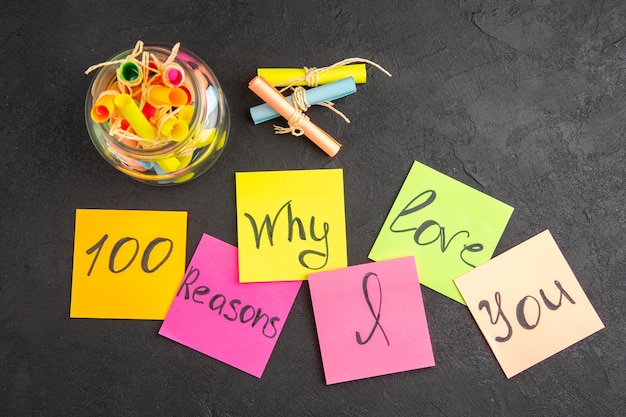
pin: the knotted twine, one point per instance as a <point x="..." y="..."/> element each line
<point x="311" y="78"/>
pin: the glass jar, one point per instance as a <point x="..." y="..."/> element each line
<point x="182" y="144"/>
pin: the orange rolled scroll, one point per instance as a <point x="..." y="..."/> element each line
<point x="279" y="103"/>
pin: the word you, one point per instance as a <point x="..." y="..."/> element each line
<point x="134" y="243"/>
<point x="269" y="225"/>
<point x="430" y="231"/>
<point x="520" y="311"/>
<point x="218" y="302"/>
<point x="376" y="315"/>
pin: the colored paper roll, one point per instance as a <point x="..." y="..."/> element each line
<point x="104" y="107"/>
<point x="159" y="95"/>
<point x="328" y="92"/>
<point x="184" y="161"/>
<point x="148" y="110"/>
<point x="174" y="128"/>
<point x="211" y="99"/>
<point x="206" y="137"/>
<point x="188" y="92"/>
<point x="199" y="76"/>
<point x="130" y="73"/>
<point x="186" y="114"/>
<point x="135" y="117"/>
<point x="167" y="165"/>
<point x="272" y="96"/>
<point x="146" y="164"/>
<point x="281" y="77"/>
<point x="173" y="75"/>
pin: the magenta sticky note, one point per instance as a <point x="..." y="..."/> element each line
<point x="370" y="320"/>
<point x="213" y="313"/>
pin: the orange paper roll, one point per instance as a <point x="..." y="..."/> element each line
<point x="159" y="95"/>
<point x="279" y="103"/>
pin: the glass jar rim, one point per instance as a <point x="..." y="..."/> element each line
<point x="162" y="51"/>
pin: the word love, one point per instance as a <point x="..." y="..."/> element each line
<point x="218" y="302"/>
<point x="308" y="258"/>
<point x="376" y="314"/>
<point x="430" y="231"/>
<point x="521" y="310"/>
<point x="133" y="243"/>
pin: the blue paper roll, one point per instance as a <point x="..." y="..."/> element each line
<point x="327" y="92"/>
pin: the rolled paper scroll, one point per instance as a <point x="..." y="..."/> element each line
<point x="278" y="102"/>
<point x="135" y="117"/>
<point x="148" y="110"/>
<point x="104" y="107"/>
<point x="281" y="77"/>
<point x="211" y="99"/>
<point x="173" y="75"/>
<point x="174" y="128"/>
<point x="166" y="165"/>
<point x="328" y="92"/>
<point x="186" y="114"/>
<point x="130" y="73"/>
<point x="159" y="95"/>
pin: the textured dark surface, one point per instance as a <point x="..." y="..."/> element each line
<point x="525" y="102"/>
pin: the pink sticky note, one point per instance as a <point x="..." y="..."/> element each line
<point x="370" y="320"/>
<point x="213" y="313"/>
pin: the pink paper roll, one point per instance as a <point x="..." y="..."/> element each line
<point x="279" y="103"/>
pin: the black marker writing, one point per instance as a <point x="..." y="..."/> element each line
<point x="421" y="232"/>
<point x="218" y="302"/>
<point x="293" y="224"/>
<point x="520" y="313"/>
<point x="525" y="320"/>
<point x="485" y="304"/>
<point x="376" y="315"/>
<point x="117" y="247"/>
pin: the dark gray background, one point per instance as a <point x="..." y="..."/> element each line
<point x="522" y="100"/>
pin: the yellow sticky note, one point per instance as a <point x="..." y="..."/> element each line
<point x="127" y="263"/>
<point x="528" y="304"/>
<point x="290" y="224"/>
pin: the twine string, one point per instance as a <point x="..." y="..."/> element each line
<point x="311" y="79"/>
<point x="138" y="50"/>
<point x="299" y="101"/>
<point x="311" y="75"/>
<point x="295" y="122"/>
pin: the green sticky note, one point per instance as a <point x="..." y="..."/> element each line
<point x="449" y="227"/>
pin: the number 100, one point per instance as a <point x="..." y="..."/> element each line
<point x="145" y="258"/>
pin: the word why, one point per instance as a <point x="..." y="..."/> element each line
<point x="269" y="225"/>
<point x="125" y="241"/>
<point x="520" y="311"/>
<point x="247" y="313"/>
<point x="420" y="236"/>
<point x="376" y="315"/>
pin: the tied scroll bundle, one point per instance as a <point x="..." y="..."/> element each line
<point x="325" y="84"/>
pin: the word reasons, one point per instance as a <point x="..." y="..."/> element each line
<point x="145" y="258"/>
<point x="376" y="315"/>
<point x="423" y="200"/>
<point x="269" y="225"/>
<point x="520" y="311"/>
<point x="247" y="313"/>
